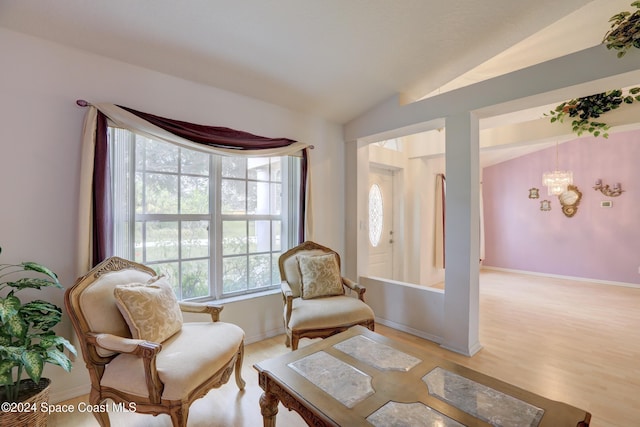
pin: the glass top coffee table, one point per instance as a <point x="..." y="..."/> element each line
<point x="360" y="378"/>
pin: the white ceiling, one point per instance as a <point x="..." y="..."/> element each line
<point x="335" y="58"/>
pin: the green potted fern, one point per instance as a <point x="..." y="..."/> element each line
<point x="27" y="340"/>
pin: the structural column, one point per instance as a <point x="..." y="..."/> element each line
<point x="462" y="235"/>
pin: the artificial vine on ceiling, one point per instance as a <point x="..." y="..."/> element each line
<point x="625" y="31"/>
<point x="622" y="36"/>
<point x="584" y="110"/>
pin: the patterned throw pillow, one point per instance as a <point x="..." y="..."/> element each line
<point x="320" y="276"/>
<point x="150" y="309"/>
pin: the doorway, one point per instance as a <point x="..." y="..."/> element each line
<point x="381" y="238"/>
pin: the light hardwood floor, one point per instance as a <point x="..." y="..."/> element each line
<point x="571" y="341"/>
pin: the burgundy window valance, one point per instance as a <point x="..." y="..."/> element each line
<point x="213" y="136"/>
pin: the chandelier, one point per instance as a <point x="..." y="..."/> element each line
<point x="557" y="181"/>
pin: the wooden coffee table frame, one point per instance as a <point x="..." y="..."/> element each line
<point x="283" y="384"/>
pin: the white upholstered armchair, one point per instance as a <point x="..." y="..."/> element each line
<point x="318" y="301"/>
<point x="137" y="348"/>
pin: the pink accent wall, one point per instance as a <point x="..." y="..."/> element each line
<point x="596" y="243"/>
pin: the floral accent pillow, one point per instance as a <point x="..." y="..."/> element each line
<point x="150" y="309"/>
<point x="320" y="276"/>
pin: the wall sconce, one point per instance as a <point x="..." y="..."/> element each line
<point x="607" y="191"/>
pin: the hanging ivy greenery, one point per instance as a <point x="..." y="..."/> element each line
<point x="622" y="36"/>
<point x="584" y="110"/>
<point x="625" y="31"/>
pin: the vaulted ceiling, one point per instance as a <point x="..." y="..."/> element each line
<point x="333" y="58"/>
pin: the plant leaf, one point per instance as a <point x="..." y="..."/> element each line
<point x="33" y="364"/>
<point x="42" y="315"/>
<point x="11" y="353"/>
<point x="48" y="341"/>
<point x="34" y="266"/>
<point x="6" y="366"/>
<point x="9" y="307"/>
<point x="57" y="357"/>
<point x="16" y="326"/>
<point x="33" y="283"/>
<point x="6" y="378"/>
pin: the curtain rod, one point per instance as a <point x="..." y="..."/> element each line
<point x="83" y="103"/>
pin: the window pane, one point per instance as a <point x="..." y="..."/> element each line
<point x="275" y="269"/>
<point x="258" y="168"/>
<point x="194" y="195"/>
<point x="170" y="271"/>
<point x="160" y="156"/>
<point x="161" y="195"/>
<point x="141" y="144"/>
<point x="375" y="215"/>
<point x="138" y="245"/>
<point x="259" y="236"/>
<point x="233" y="197"/>
<point x="276" y="169"/>
<point x="195" y="239"/>
<point x="258" y="198"/>
<point x="195" y="279"/>
<point x="259" y="271"/>
<point x="234" y="237"/>
<point x="234" y="167"/>
<point x="276" y="236"/>
<point x="234" y="274"/>
<point x="194" y="162"/>
<point x="161" y="240"/>
<point x="139" y="192"/>
<point x="276" y="199"/>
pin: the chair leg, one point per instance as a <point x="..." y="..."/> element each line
<point x="239" y="381"/>
<point x="287" y="340"/>
<point x="179" y="416"/>
<point x="294" y="342"/>
<point x="101" y="416"/>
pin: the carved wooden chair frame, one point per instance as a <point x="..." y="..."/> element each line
<point x="294" y="336"/>
<point x="178" y="410"/>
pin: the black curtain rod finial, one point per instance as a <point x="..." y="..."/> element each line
<point x="82" y="103"/>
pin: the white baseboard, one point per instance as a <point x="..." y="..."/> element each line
<point x="558" y="276"/>
<point x="264" y="335"/>
<point x="409" y="330"/>
<point x="472" y="351"/>
<point x="69" y="393"/>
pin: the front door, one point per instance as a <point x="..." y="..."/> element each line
<point x="381" y="223"/>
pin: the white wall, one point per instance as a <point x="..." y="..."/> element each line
<point x="40" y="157"/>
<point x="415" y="309"/>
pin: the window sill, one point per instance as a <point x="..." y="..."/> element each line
<point x="246" y="297"/>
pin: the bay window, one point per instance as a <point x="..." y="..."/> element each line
<point x="215" y="225"/>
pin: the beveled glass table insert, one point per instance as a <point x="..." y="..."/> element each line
<point x="492" y="406"/>
<point x="410" y="414"/>
<point x="378" y="355"/>
<point x="343" y="382"/>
